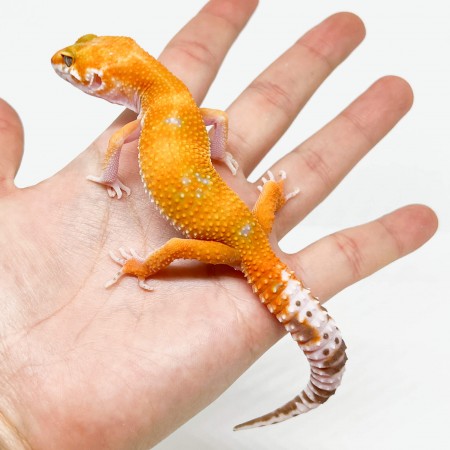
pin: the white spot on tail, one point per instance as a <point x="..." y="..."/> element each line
<point x="299" y="297"/>
<point x="285" y="275"/>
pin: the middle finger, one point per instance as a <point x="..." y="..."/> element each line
<point x="275" y="98"/>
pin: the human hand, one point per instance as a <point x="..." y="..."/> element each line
<point x="85" y="367"/>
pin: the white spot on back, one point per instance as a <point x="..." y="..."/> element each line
<point x="174" y="121"/>
<point x="200" y="179"/>
<point x="245" y="231"/>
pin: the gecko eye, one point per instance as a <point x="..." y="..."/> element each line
<point x="68" y="60"/>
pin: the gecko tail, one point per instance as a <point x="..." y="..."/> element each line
<point x="310" y="398"/>
<point x="291" y="409"/>
<point x="319" y="338"/>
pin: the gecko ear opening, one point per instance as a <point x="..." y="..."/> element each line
<point x="96" y="81"/>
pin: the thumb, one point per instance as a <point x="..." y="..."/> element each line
<point x="11" y="146"/>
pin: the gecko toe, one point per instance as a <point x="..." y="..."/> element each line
<point x="143" y="285"/>
<point x="116" y="258"/>
<point x="231" y="163"/>
<point x="292" y="194"/>
<point x="126" y="254"/>
<point x="136" y="255"/>
<point x="114" y="280"/>
<point x="114" y="188"/>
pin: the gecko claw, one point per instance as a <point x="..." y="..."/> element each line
<point x="231" y="163"/>
<point x="117" y="259"/>
<point x="282" y="176"/>
<point x="114" y="280"/>
<point x="122" y="259"/>
<point x="292" y="194"/>
<point x="130" y="254"/>
<point x="114" y="188"/>
<point x="265" y="180"/>
<point x="136" y="255"/>
<point x="143" y="285"/>
<point x="125" y="254"/>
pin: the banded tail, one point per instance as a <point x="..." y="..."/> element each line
<point x="315" y="332"/>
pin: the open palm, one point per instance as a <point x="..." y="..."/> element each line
<point x="87" y="367"/>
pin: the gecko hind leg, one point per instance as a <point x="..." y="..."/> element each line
<point x="271" y="199"/>
<point x="209" y="252"/>
<point x="128" y="133"/>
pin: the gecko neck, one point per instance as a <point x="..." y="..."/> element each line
<point x="160" y="87"/>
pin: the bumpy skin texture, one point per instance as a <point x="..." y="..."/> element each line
<point x="176" y="169"/>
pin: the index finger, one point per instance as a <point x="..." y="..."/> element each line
<point x="196" y="52"/>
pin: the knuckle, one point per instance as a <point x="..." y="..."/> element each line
<point x="359" y="123"/>
<point x="315" y="162"/>
<point x="318" y="48"/>
<point x="351" y="251"/>
<point x="193" y="51"/>
<point x="223" y="16"/>
<point x="273" y="94"/>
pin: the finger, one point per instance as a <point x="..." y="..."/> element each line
<point x="267" y="107"/>
<point x="197" y="51"/>
<point x="321" y="162"/>
<point x="11" y="146"/>
<point x="341" y="259"/>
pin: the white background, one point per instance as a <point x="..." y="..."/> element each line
<point x="395" y="393"/>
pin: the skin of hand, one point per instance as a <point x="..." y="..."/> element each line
<point x="87" y="367"/>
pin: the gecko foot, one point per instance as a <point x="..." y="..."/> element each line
<point x="231" y="163"/>
<point x="131" y="262"/>
<point x="113" y="187"/>
<point x="282" y="176"/>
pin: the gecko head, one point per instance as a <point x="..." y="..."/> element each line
<point x="97" y="65"/>
<point x="74" y="64"/>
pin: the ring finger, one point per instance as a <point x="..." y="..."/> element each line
<point x="322" y="161"/>
<point x="273" y="100"/>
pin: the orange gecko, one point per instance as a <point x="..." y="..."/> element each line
<point x="175" y="155"/>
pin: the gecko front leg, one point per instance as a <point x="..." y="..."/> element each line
<point x="128" y="133"/>
<point x="219" y="137"/>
